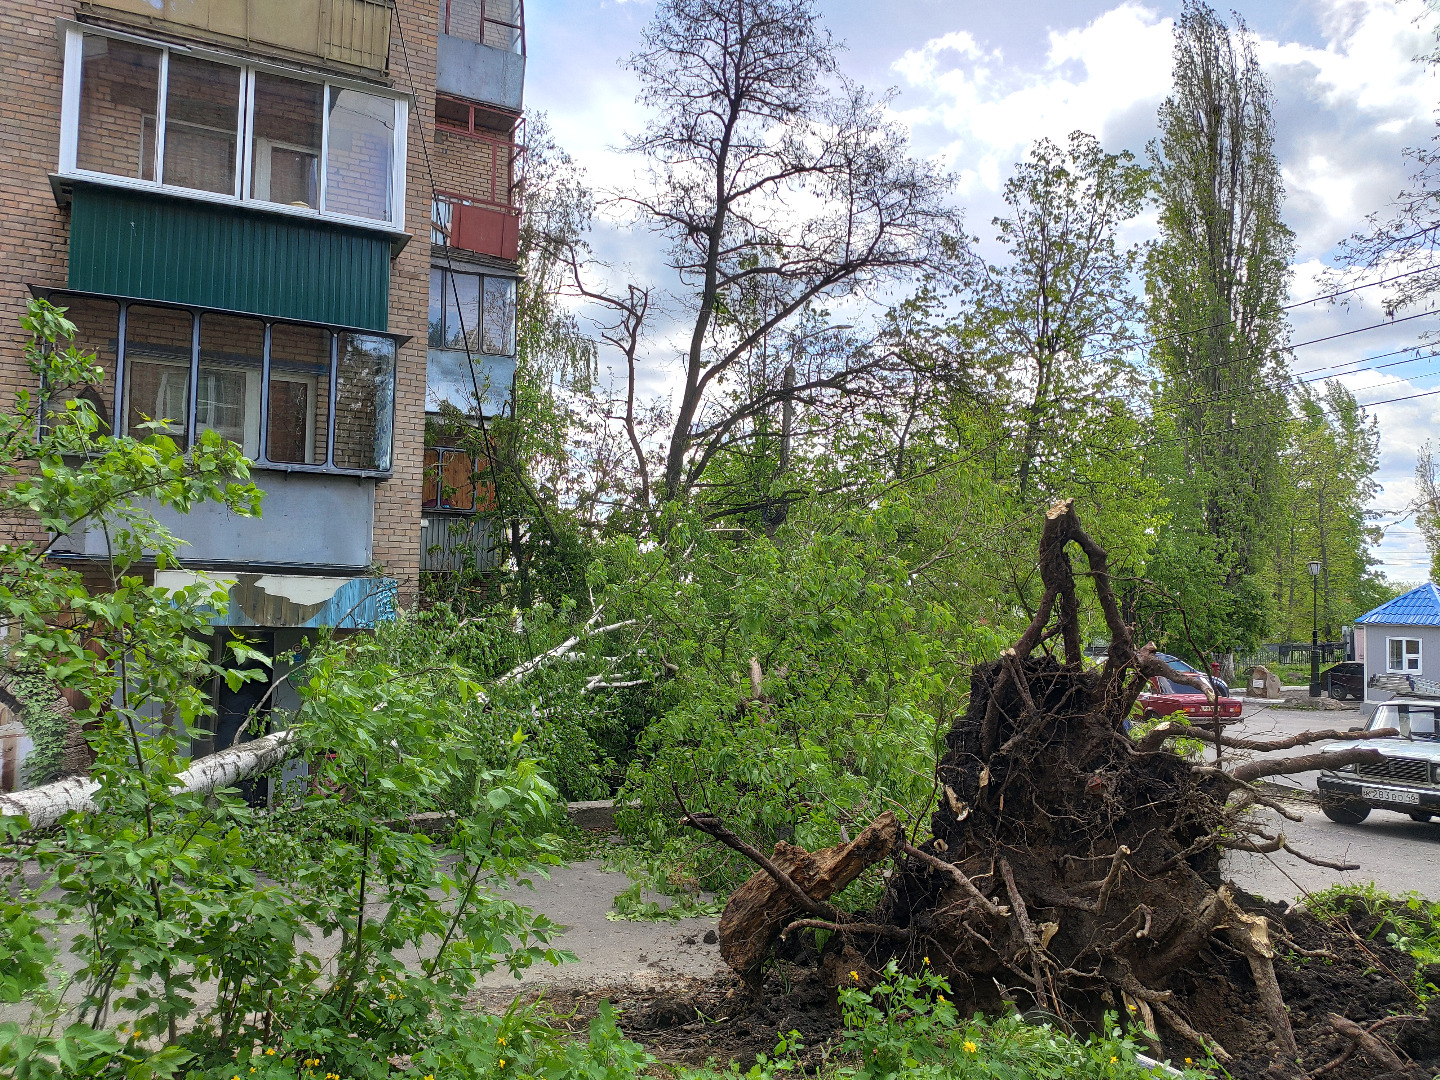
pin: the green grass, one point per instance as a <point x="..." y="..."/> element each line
<point x="906" y="1029"/>
<point x="1408" y="923"/>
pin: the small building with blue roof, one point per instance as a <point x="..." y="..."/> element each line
<point x="1401" y="637"/>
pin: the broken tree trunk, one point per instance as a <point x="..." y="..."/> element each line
<point x="44" y="806"/>
<point x="765" y="905"/>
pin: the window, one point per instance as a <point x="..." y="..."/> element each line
<point x="299" y="406"/>
<point x="202" y="125"/>
<point x="364" y="401"/>
<point x="285" y="141"/>
<point x="96" y="332"/>
<point x="457" y="316"/>
<point x="227" y="392"/>
<point x="195" y="371"/>
<point x="1403" y="654"/>
<point x="158" y="345"/>
<point x="221" y="128"/>
<point x="451" y="478"/>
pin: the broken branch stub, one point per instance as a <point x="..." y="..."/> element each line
<point x="761" y="908"/>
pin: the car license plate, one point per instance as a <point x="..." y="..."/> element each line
<point x="1390" y="795"/>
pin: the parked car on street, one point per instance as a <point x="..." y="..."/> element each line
<point x="1346" y="680"/>
<point x="1407" y="777"/>
<point x="1165" y="697"/>
<point x="1175" y="662"/>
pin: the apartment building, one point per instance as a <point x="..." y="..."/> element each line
<point x="294" y="222"/>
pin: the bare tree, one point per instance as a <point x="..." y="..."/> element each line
<point x="780" y="188"/>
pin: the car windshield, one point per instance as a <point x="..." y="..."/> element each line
<point x="1422" y="719"/>
<point x="1170" y="686"/>
<point x="1175" y="662"/>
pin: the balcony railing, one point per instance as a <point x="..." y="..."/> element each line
<point x="497" y="23"/>
<point x="474" y="225"/>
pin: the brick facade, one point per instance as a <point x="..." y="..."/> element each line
<point x="34" y="240"/>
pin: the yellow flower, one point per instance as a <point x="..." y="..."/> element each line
<point x="1130" y="1005"/>
<point x="501" y="1040"/>
<point x="252" y="1068"/>
<point x="927" y="960"/>
<point x="270" y="1051"/>
<point x="1113" y="1059"/>
<point x="502" y="1063"/>
<point x="940" y="998"/>
<point x="1187" y="1061"/>
<point x="970" y="1047"/>
<point x="431" y="1076"/>
<point x="855" y="975"/>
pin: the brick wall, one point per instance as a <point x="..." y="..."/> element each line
<point x="397" y="502"/>
<point x="34" y="237"/>
<point x="466" y="165"/>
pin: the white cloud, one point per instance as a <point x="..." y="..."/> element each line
<point x="986" y="112"/>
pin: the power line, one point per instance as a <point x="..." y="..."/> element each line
<point x="1284" y="307"/>
<point x="1272" y="423"/>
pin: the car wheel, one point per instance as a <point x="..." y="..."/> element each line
<point x="1345" y="811"/>
<point x="1421" y="817"/>
<point x="1337" y="693"/>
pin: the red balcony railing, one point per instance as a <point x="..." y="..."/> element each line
<point x="474" y="225"/>
<point x="497" y="23"/>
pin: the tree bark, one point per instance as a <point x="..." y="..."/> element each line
<point x="44" y="806"/>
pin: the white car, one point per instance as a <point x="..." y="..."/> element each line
<point x="1407" y="777"/>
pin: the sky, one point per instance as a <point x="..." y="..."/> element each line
<point x="977" y="82"/>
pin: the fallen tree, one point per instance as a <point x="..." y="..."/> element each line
<point x="44" y="806"/>
<point x="1071" y="868"/>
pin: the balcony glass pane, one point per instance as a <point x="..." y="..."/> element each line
<point x="227" y="393"/>
<point x="499" y="337"/>
<point x="96" y="332"/>
<point x="119" y="100"/>
<point x="462" y="311"/>
<point x="158" y="345"/>
<point x="360" y="154"/>
<point x="202" y="110"/>
<point x="299" y="404"/>
<point x="364" y="402"/>
<point x="435" y="319"/>
<point x="286" y="142"/>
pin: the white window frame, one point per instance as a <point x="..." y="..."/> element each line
<point x="1405" y="656"/>
<point x="73" y="36"/>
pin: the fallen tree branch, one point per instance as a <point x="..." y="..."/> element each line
<point x="1371" y="1045"/>
<point x="1256" y="770"/>
<point x="44" y="806"/>
<point x="1173" y="729"/>
<point x="847" y="928"/>
<point x="521" y="671"/>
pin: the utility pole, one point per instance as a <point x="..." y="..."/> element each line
<point x="1315" y="628"/>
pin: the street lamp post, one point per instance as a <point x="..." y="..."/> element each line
<point x="1314" y="628"/>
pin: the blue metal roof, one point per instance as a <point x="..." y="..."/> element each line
<point x="1418" y="607"/>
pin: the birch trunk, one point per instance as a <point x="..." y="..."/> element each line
<point x="44" y="806"/>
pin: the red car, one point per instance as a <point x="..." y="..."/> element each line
<point x="1165" y="698"/>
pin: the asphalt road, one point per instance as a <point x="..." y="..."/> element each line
<point x="1396" y="853"/>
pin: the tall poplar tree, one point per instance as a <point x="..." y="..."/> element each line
<point x="1216" y="285"/>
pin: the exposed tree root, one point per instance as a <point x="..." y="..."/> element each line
<point x="1104" y="851"/>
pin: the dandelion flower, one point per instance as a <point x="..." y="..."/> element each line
<point x="970" y="1047"/>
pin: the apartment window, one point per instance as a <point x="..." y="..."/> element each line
<point x="298" y="427"/>
<point x="264" y="385"/>
<point x="286" y="140"/>
<point x="1403" y="655"/>
<point x="474" y="310"/>
<point x="452" y="482"/>
<point x="142" y="114"/>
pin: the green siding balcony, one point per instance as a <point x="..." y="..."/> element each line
<point x="132" y="244"/>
